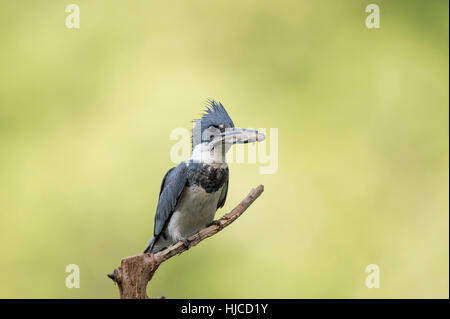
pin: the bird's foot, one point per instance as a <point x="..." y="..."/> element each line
<point x="215" y="222"/>
<point x="186" y="242"/>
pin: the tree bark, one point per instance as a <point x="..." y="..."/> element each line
<point x="134" y="273"/>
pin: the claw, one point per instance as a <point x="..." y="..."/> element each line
<point x="186" y="242"/>
<point x="215" y="222"/>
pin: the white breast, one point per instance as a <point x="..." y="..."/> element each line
<point x="195" y="209"/>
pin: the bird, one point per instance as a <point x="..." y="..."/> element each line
<point x="192" y="192"/>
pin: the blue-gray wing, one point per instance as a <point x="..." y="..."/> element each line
<point x="223" y="194"/>
<point x="171" y="188"/>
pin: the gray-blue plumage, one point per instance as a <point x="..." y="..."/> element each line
<point x="191" y="192"/>
<point x="172" y="186"/>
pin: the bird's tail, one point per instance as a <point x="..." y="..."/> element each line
<point x="150" y="246"/>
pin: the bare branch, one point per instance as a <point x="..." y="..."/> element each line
<point x="135" y="272"/>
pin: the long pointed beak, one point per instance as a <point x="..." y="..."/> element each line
<point x="238" y="136"/>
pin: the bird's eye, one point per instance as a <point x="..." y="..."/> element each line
<point x="219" y="128"/>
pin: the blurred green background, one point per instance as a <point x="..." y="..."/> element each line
<point x="362" y="114"/>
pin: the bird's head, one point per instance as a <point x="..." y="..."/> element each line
<point x="215" y="132"/>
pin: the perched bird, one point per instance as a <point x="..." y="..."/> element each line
<point x="192" y="192"/>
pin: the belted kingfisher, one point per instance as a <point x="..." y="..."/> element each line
<point x="191" y="192"/>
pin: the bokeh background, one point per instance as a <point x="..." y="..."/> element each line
<point x="362" y="116"/>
